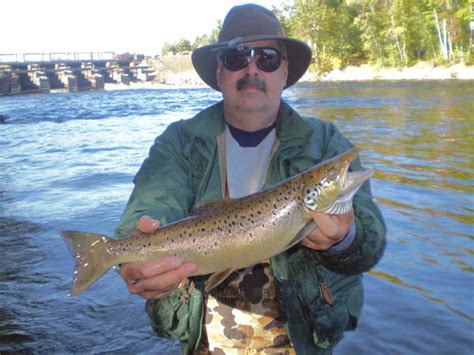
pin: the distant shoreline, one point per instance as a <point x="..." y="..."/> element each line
<point x="418" y="72"/>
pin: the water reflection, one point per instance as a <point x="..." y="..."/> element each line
<point x="419" y="138"/>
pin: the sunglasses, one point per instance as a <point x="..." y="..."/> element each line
<point x="266" y="58"/>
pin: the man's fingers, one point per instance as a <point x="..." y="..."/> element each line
<point x="317" y="243"/>
<point x="327" y="226"/>
<point x="133" y="272"/>
<point x="156" y="267"/>
<point x="146" y="224"/>
<point x="153" y="283"/>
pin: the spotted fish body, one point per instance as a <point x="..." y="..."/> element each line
<point x="229" y="234"/>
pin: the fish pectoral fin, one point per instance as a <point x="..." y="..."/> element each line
<point x="210" y="206"/>
<point x="216" y="279"/>
<point x="303" y="233"/>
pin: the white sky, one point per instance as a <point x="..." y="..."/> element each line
<point x="135" y="26"/>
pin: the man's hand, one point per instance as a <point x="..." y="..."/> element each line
<point x="157" y="278"/>
<point x="330" y="230"/>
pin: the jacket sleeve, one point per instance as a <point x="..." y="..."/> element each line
<point x="369" y="243"/>
<point x="162" y="185"/>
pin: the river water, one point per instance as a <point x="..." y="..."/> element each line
<point x="67" y="161"/>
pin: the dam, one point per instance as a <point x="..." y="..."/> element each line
<point x="78" y="71"/>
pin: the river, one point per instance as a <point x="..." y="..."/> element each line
<point x="67" y="161"/>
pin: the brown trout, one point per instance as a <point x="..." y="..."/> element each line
<point x="229" y="234"/>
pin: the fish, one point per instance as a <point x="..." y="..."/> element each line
<point x="229" y="234"/>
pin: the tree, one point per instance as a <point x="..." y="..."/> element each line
<point x="168" y="48"/>
<point x="328" y="27"/>
<point x="215" y="32"/>
<point x="183" y="46"/>
<point x="200" y="41"/>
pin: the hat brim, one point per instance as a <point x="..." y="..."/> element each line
<point x="299" y="57"/>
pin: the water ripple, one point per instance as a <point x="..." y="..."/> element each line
<point x="68" y="160"/>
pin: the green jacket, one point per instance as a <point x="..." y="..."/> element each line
<point x="182" y="169"/>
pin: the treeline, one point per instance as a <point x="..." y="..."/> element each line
<point x="185" y="46"/>
<point x="383" y="32"/>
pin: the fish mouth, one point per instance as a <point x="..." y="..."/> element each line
<point x="352" y="181"/>
<point x="349" y="184"/>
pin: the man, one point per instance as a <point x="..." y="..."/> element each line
<point x="299" y="301"/>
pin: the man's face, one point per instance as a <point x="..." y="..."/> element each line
<point x="251" y="89"/>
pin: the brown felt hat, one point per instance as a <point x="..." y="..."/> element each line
<point x="249" y="23"/>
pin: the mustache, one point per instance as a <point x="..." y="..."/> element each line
<point x="256" y="82"/>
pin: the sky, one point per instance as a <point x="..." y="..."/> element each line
<point x="134" y="26"/>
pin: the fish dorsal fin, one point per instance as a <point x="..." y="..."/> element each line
<point x="216" y="279"/>
<point x="210" y="206"/>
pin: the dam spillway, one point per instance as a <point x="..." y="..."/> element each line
<point x="44" y="72"/>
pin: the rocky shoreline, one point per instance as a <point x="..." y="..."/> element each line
<point x="420" y="71"/>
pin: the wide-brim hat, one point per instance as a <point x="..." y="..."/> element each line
<point x="249" y="23"/>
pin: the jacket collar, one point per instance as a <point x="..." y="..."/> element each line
<point x="210" y="123"/>
<point x="290" y="125"/>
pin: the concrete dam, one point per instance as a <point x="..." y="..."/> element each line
<point x="44" y="72"/>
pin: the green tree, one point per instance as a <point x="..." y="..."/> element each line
<point x="200" y="41"/>
<point x="373" y="21"/>
<point x="328" y="27"/>
<point x="215" y="32"/>
<point x="183" y="46"/>
<point x="168" y="48"/>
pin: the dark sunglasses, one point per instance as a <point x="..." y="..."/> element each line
<point x="266" y="58"/>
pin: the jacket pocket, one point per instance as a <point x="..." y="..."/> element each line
<point x="329" y="320"/>
<point x="169" y="316"/>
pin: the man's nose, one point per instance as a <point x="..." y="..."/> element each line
<point x="252" y="69"/>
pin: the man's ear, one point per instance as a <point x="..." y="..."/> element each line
<point x="218" y="73"/>
<point x="285" y="73"/>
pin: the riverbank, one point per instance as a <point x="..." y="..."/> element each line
<point x="420" y="71"/>
<point x="183" y="74"/>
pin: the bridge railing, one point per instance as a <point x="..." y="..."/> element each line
<point x="55" y="57"/>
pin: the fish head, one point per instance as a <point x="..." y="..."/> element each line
<point x="329" y="187"/>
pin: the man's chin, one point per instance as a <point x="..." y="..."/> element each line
<point x="251" y="103"/>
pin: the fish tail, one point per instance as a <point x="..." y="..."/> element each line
<point x="89" y="251"/>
